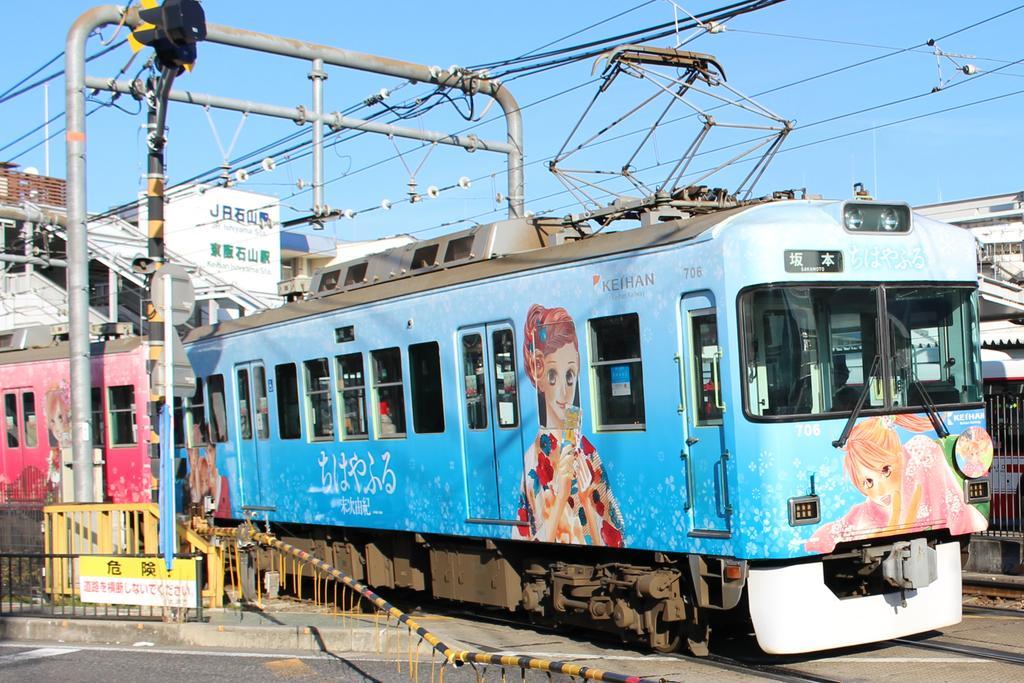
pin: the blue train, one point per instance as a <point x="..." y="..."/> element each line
<point x="767" y="415"/>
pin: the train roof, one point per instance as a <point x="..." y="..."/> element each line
<point x="601" y="244"/>
<point x="62" y="350"/>
<point x="490" y="265"/>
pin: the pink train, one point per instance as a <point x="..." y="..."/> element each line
<point x="35" y="453"/>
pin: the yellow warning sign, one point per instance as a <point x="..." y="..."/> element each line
<point x="118" y="580"/>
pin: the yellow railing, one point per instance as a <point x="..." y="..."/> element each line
<point x="120" y="529"/>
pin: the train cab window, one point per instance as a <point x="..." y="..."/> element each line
<point x="218" y="409"/>
<point x="933" y="342"/>
<point x="121" y="412"/>
<point x="503" y="345"/>
<point x="99" y="427"/>
<point x="28" y="416"/>
<point x="425" y="378"/>
<point x="707" y="370"/>
<point x="474" y="381"/>
<point x="351" y="395"/>
<point x="388" y="396"/>
<point x="809" y="350"/>
<point x="616" y="372"/>
<point x="318" y="399"/>
<point x="11" y="420"/>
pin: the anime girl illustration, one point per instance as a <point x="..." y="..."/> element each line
<point x="906" y="486"/>
<point x="203" y="477"/>
<point x="565" y="497"/>
<point x="57" y="409"/>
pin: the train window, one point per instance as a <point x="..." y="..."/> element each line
<point x="707" y="371"/>
<point x="458" y="249"/>
<point x="345" y="333"/>
<point x="318" y="399"/>
<point x="28" y="416"/>
<point x="287" y="389"/>
<point x="351" y="395"/>
<point x="99" y="429"/>
<point x="616" y="371"/>
<point x="244" y="409"/>
<point x="388" y="397"/>
<point x="218" y="409"/>
<point x="197" y="431"/>
<point x="121" y="411"/>
<point x="259" y="387"/>
<point x="425" y="378"/>
<point x="474" y="381"/>
<point x="11" y="420"/>
<point x="934" y="345"/>
<point x="809" y="350"/>
<point x="179" y="422"/>
<point x="503" y="344"/>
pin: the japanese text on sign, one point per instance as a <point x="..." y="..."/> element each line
<point x="120" y="580"/>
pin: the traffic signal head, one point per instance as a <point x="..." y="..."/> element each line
<point x="172" y="29"/>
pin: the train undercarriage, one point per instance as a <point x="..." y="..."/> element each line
<point x="665" y="602"/>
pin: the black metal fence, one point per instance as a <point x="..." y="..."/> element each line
<point x="21" y="527"/>
<point x="1004" y="407"/>
<point x="46" y="584"/>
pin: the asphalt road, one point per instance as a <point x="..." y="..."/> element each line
<point x="97" y="664"/>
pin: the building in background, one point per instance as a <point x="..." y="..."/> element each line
<point x="997" y="222"/>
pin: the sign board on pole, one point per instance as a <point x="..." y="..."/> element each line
<point x="184" y="379"/>
<point x="121" y="580"/>
<point x="183" y="295"/>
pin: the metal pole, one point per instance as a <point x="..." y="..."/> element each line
<point x="318" y="76"/>
<point x="468" y="83"/>
<point x="301" y="115"/>
<point x="77" y="243"/>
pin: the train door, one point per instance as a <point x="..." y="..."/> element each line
<point x="14" y="437"/>
<point x="21" y="438"/>
<point x="704" y="401"/>
<point x="253" y="428"/>
<point x="490" y="425"/>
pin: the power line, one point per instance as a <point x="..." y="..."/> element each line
<point x="53" y="59"/>
<point x="11" y="95"/>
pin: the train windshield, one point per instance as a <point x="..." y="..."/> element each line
<point x="810" y="350"/>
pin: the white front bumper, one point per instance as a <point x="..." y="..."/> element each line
<point x="794" y="611"/>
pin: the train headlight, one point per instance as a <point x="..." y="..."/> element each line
<point x="976" y="490"/>
<point x="888" y="221"/>
<point x="853" y="218"/>
<point x="871" y="217"/>
<point x="804" y="510"/>
<point x="973" y="453"/>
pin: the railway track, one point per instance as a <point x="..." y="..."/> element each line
<point x="993" y="587"/>
<point x="966" y="650"/>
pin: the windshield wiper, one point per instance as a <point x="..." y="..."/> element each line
<point x="855" y="413"/>
<point x="929" y="407"/>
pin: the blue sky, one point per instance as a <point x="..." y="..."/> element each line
<point x="972" y="149"/>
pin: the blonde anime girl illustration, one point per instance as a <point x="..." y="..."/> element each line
<point x="57" y="409"/>
<point x="565" y="497"/>
<point x="906" y="486"/>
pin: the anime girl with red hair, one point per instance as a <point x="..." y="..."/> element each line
<point x="565" y="496"/>
<point x="907" y="486"/>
